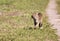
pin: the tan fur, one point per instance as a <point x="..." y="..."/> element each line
<point x="37" y="17"/>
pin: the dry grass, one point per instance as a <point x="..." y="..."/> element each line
<point x="17" y="25"/>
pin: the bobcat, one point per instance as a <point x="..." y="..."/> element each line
<point x="37" y="18"/>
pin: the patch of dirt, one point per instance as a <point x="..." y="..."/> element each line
<point x="53" y="17"/>
<point x="11" y="13"/>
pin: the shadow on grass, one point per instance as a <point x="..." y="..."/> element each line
<point x="31" y="28"/>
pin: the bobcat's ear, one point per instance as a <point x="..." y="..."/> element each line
<point x="39" y="14"/>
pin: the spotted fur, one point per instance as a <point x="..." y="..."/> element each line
<point x="37" y="18"/>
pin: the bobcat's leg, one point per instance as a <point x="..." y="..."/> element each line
<point x="35" y="23"/>
<point x="40" y="25"/>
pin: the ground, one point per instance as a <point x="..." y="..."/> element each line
<point x="16" y="23"/>
<point x="58" y="6"/>
<point x="53" y="16"/>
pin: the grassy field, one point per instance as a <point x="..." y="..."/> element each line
<point x="16" y="23"/>
<point x="58" y="6"/>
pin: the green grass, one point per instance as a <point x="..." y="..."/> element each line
<point x="18" y="25"/>
<point x="58" y="6"/>
<point x="27" y="34"/>
<point x="23" y="4"/>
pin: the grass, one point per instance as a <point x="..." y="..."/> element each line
<point x="16" y="23"/>
<point x="58" y="6"/>
<point x="23" y="4"/>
